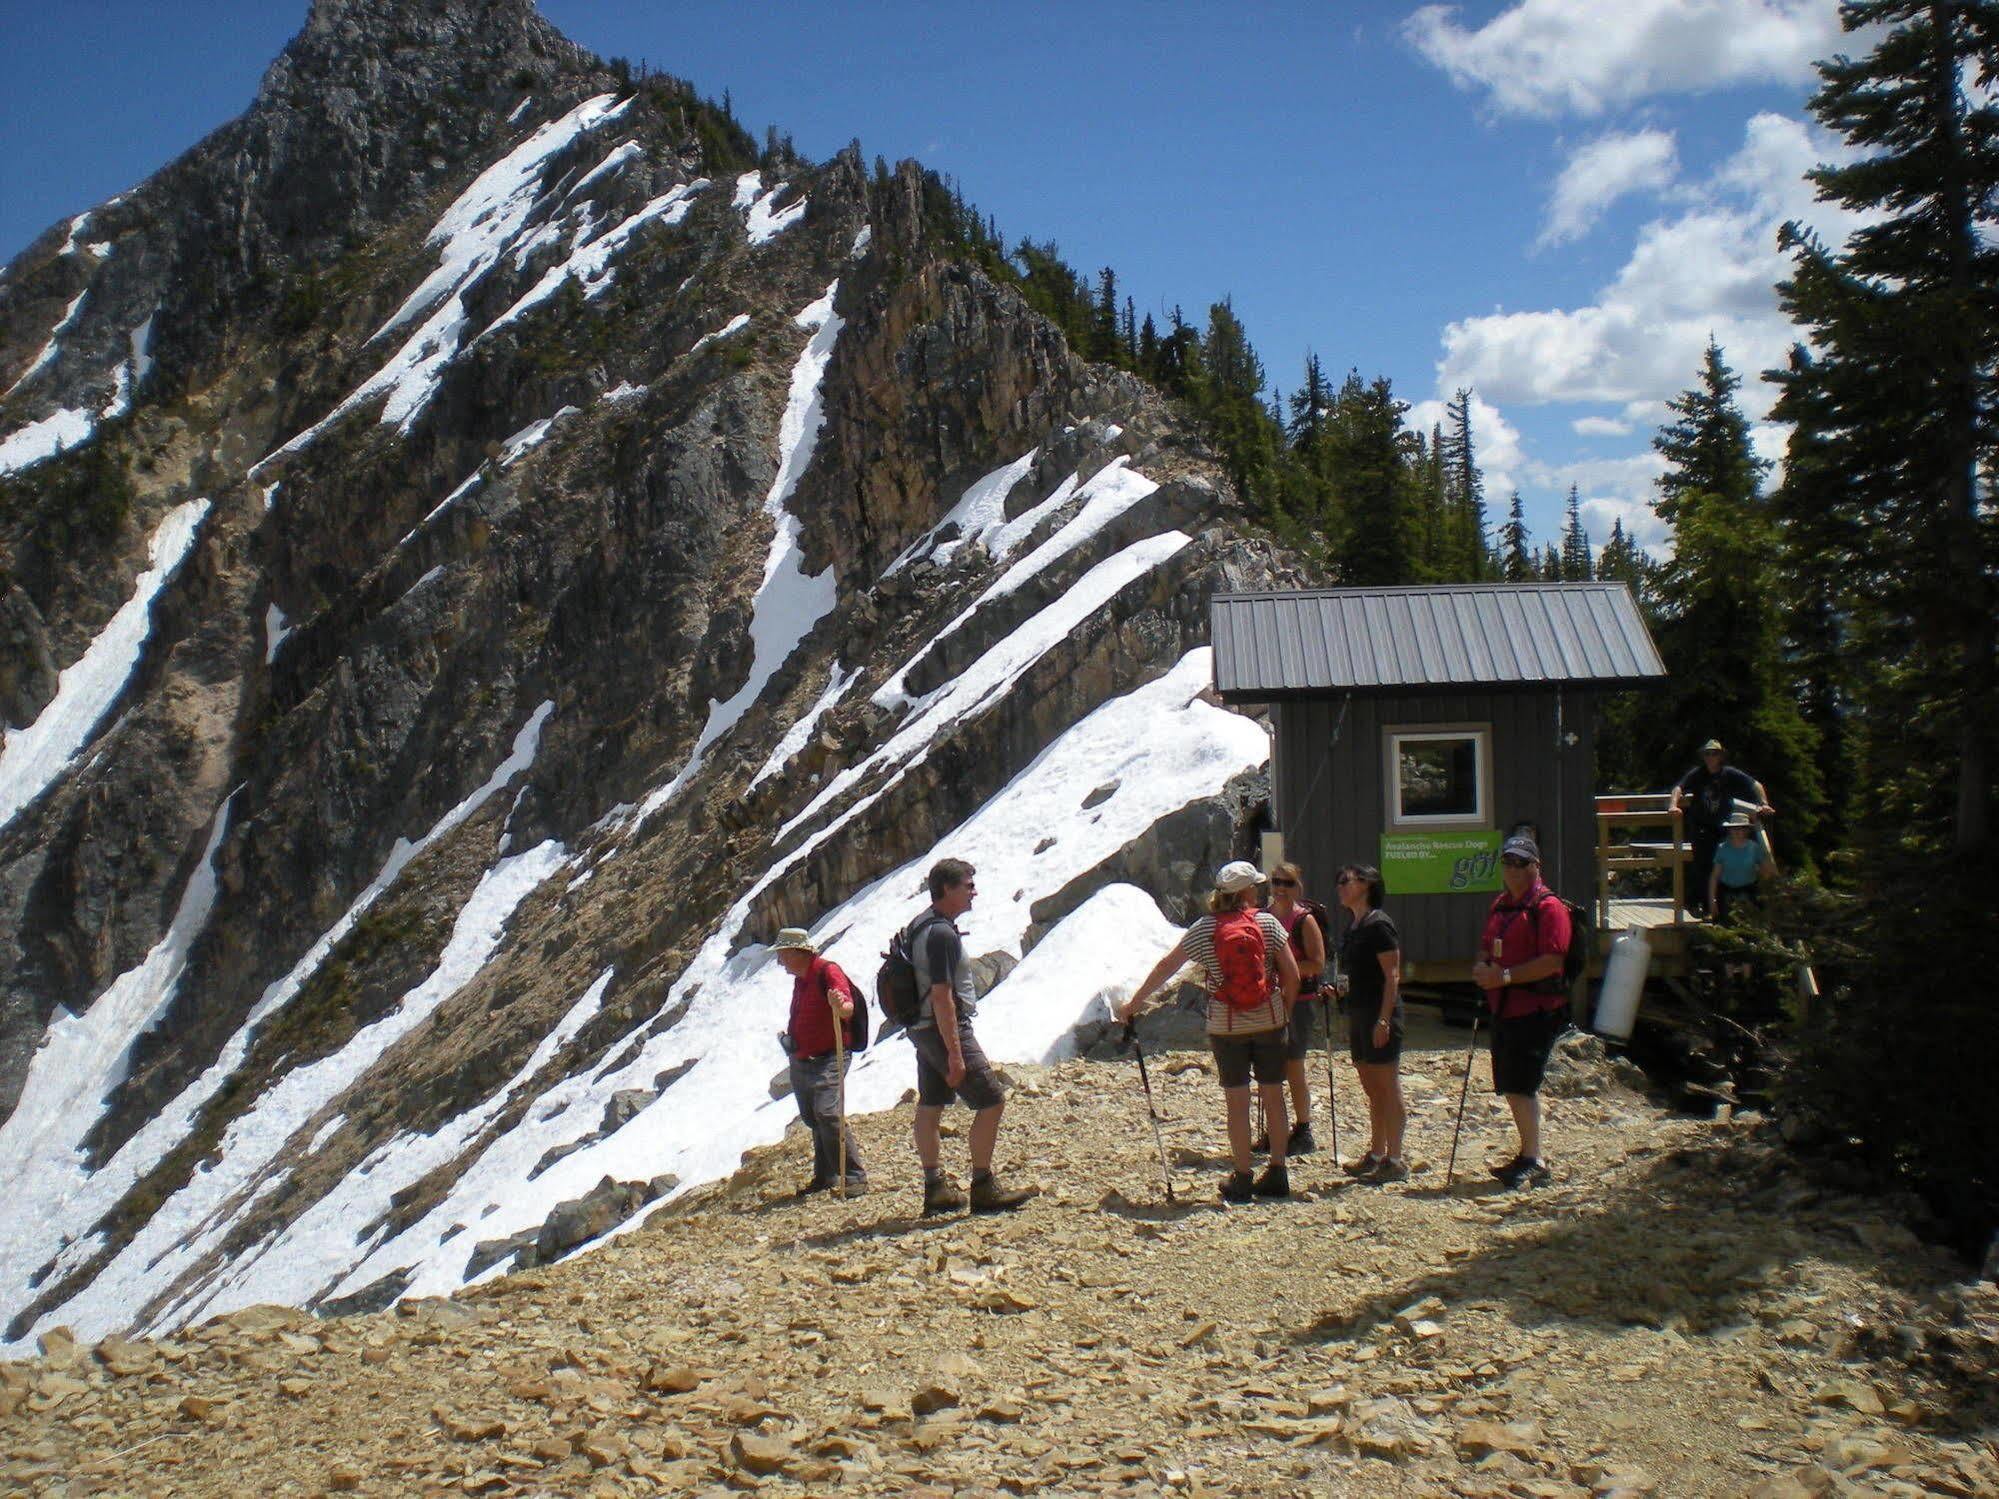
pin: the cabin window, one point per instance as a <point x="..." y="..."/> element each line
<point x="1439" y="778"/>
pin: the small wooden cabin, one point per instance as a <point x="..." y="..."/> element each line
<point x="1414" y="728"/>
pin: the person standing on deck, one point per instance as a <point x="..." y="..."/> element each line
<point x="1708" y="794"/>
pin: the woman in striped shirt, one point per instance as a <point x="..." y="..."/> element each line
<point x="1248" y="1005"/>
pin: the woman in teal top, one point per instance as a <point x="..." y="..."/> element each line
<point x="1739" y="862"/>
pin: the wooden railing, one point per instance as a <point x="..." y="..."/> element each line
<point x="1631" y="813"/>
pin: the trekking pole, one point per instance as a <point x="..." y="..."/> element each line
<point x="1145" y="1079"/>
<point x="1332" y="1093"/>
<point x="840" y="1077"/>
<point x="1464" y="1092"/>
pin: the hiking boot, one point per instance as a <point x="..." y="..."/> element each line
<point x="1238" y="1187"/>
<point x="1364" y="1166"/>
<point x="1275" y="1181"/>
<point x="817" y="1184"/>
<point x="1388" y="1169"/>
<point x="990" y="1196"/>
<point x="942" y="1196"/>
<point x="857" y="1186"/>
<point x="1302" y="1142"/>
<point x="1523" y="1172"/>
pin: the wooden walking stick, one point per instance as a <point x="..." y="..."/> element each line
<point x="840" y="1078"/>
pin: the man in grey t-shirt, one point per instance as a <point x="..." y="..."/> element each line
<point x="949" y="1061"/>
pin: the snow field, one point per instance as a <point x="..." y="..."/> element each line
<point x="54" y="1199"/>
<point x="41" y="440"/>
<point x="1164" y="747"/>
<point x="31" y="759"/>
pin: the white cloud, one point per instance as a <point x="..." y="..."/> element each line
<point x="1600" y="426"/>
<point x="1582" y="57"/>
<point x="1708" y="270"/>
<point x="1599" y="173"/>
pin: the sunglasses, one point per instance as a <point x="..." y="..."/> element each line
<point x="1514" y="862"/>
<point x="1347" y="879"/>
<point x="1280" y="880"/>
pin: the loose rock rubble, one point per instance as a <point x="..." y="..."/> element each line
<point x="1680" y="1314"/>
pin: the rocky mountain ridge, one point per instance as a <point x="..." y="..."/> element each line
<point x="482" y="545"/>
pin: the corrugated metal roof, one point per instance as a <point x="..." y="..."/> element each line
<point x="1276" y="645"/>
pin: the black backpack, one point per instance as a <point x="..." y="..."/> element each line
<point x="1581" y="934"/>
<point x="895" y="981"/>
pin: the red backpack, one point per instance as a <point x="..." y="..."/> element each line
<point x="1244" y="980"/>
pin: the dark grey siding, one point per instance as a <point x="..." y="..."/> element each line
<point x="1329" y="799"/>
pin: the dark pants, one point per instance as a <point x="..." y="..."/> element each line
<point x="1704" y="841"/>
<point x="815" y="1084"/>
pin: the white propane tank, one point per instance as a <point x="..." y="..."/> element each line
<point x="1623" y="985"/>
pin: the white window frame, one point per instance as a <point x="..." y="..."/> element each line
<point x="1394" y="738"/>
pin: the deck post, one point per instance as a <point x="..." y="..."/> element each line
<point x="1679" y="866"/>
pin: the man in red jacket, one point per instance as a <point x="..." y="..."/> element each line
<point x="1520" y="968"/>
<point x="822" y="997"/>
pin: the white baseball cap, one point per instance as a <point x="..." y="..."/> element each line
<point x="1238" y="875"/>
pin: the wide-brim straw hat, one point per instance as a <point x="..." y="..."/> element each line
<point x="795" y="939"/>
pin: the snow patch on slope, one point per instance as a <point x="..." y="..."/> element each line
<point x="80" y="1060"/>
<point x="48" y="352"/>
<point x="979" y="514"/>
<point x="761" y="219"/>
<point x="40" y="441"/>
<point x="480" y="227"/>
<point x="735" y="324"/>
<point x="800" y="733"/>
<point x="319" y="1246"/>
<point x="31" y="759"/>
<point x="59" y="1201"/>
<point x="789" y="602"/>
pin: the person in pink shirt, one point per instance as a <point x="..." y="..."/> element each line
<point x="1519" y="966"/>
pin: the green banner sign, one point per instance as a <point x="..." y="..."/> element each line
<point x="1439" y="863"/>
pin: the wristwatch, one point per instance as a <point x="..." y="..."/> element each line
<point x="1506" y="977"/>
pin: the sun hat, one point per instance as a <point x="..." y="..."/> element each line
<point x="796" y="938"/>
<point x="1739" y="820"/>
<point x="1237" y="875"/>
<point x="1713" y="747"/>
<point x="1520" y="846"/>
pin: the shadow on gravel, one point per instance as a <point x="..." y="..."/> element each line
<point x="1699" y="1240"/>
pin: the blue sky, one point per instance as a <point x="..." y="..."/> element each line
<point x="1551" y="201"/>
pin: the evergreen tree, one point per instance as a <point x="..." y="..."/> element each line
<point x="1369" y="451"/>
<point x="1575" y="565"/>
<point x="1460" y="548"/>
<point x="1720" y="624"/>
<point x="1516" y="563"/>
<point x="1904" y="321"/>
<point x="1310" y="404"/>
<point x="1230" y="399"/>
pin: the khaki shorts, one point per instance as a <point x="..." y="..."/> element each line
<point x="981" y="1088"/>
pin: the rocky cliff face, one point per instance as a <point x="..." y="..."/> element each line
<point x="481" y="545"/>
